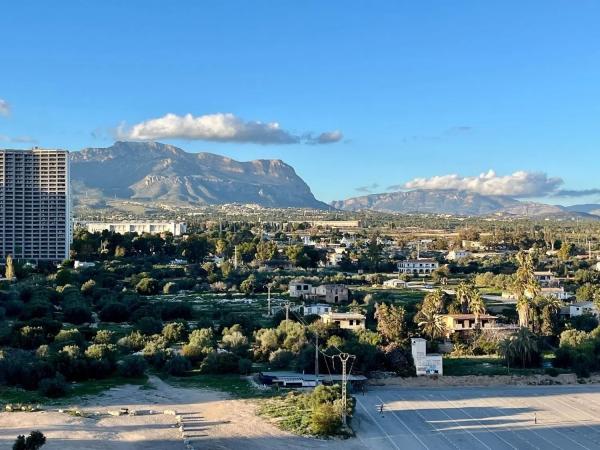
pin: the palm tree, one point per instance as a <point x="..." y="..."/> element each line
<point x="476" y="305"/>
<point x="463" y="292"/>
<point x="432" y="324"/>
<point x="521" y="349"/>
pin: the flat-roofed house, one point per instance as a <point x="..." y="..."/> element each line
<point x="346" y="321"/>
<point x="418" y="266"/>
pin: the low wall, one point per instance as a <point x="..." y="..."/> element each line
<point x="482" y="380"/>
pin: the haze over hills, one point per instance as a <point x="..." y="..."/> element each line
<point x="155" y="172"/>
<point x="456" y="202"/>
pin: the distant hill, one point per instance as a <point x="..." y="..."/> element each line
<point x="155" y="172"/>
<point x="588" y="208"/>
<point x="455" y="202"/>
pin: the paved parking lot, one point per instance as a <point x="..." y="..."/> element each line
<point x="536" y="417"/>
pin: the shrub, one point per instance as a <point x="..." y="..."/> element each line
<point x="114" y="312"/>
<point x="149" y="325"/>
<point x="77" y="313"/>
<point x="174" y="332"/>
<point x="170" y="288"/>
<point x="176" y="310"/>
<point x="34" y="441"/>
<point x="178" y="366"/>
<point x="53" y="387"/>
<point x="147" y="286"/>
<point x="281" y="359"/>
<point x="325" y="420"/>
<point x="133" y="366"/>
<point x="218" y="363"/>
<point x="244" y="366"/>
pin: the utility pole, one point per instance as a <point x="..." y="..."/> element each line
<point x="269" y="299"/>
<point x="235" y="258"/>
<point x="316" y="358"/>
<point x="344" y="357"/>
<point x="287" y="316"/>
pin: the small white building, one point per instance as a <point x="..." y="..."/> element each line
<point x="418" y="266"/>
<point x="581" y="308"/>
<point x="394" y="283"/>
<point x="455" y="255"/>
<point x="331" y="293"/>
<point x="425" y="364"/>
<point x="83" y="264"/>
<point x="556" y="292"/>
<point x="319" y="309"/>
<point x="299" y="289"/>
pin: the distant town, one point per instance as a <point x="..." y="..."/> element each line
<point x="330" y="323"/>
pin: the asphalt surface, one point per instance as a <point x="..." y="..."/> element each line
<point x="532" y="417"/>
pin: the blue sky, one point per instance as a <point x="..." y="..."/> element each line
<point x="402" y="89"/>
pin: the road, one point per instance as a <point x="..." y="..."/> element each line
<point x="532" y="417"/>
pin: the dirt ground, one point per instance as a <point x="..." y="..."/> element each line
<point x="202" y="420"/>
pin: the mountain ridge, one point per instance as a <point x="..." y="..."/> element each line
<point x="156" y="172"/>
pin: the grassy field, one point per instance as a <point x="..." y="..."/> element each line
<point x="484" y="365"/>
<point x="78" y="390"/>
<point x="235" y="385"/>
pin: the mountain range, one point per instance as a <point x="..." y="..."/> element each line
<point x="161" y="173"/>
<point x="458" y="202"/>
<point x="151" y="173"/>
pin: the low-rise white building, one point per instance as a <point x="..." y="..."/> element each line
<point x="394" y="283"/>
<point x="455" y="255"/>
<point x="418" y="266"/>
<point x="318" y="309"/>
<point x="425" y="364"/>
<point x="545" y="278"/>
<point x="83" y="264"/>
<point x="175" y="228"/>
<point x="581" y="308"/>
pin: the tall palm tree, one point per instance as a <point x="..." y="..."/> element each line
<point x="463" y="291"/>
<point x="521" y="349"/>
<point x="476" y="305"/>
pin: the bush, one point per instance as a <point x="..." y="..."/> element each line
<point x="147" y="286"/>
<point x="281" y="359"/>
<point x="174" y="332"/>
<point x="245" y="366"/>
<point x="53" y="387"/>
<point x="34" y="441"/>
<point x="77" y="313"/>
<point x="325" y="420"/>
<point x="218" y="363"/>
<point x="178" y="366"/>
<point x="133" y="366"/>
<point x="170" y="288"/>
<point x="149" y="325"/>
<point x="114" y="312"/>
<point x="179" y="310"/>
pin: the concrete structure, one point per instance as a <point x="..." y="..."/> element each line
<point x="425" y="364"/>
<point x="346" y="321"/>
<point x="418" y="266"/>
<point x="298" y="289"/>
<point x="294" y="379"/>
<point x="318" y="309"/>
<point x="556" y="292"/>
<point x="581" y="308"/>
<point x="35" y="204"/>
<point x="331" y="293"/>
<point x="83" y="264"/>
<point x="454" y="255"/>
<point x="467" y="322"/>
<point x="394" y="283"/>
<point x="175" y="228"/>
<point x="545" y="278"/>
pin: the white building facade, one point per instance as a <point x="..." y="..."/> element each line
<point x="35" y="204"/>
<point x="175" y="228"/>
<point x="418" y="266"/>
<point x="425" y="364"/>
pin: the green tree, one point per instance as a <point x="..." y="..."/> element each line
<point x="521" y="349"/>
<point x="34" y="441"/>
<point x="266" y="250"/>
<point x="391" y="322"/>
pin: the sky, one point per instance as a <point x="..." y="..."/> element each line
<point x="358" y="96"/>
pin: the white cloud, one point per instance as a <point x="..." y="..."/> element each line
<point x="219" y="127"/>
<point x="4" y="108"/>
<point x="518" y="184"/>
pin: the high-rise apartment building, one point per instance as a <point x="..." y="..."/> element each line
<point x="35" y="204"/>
